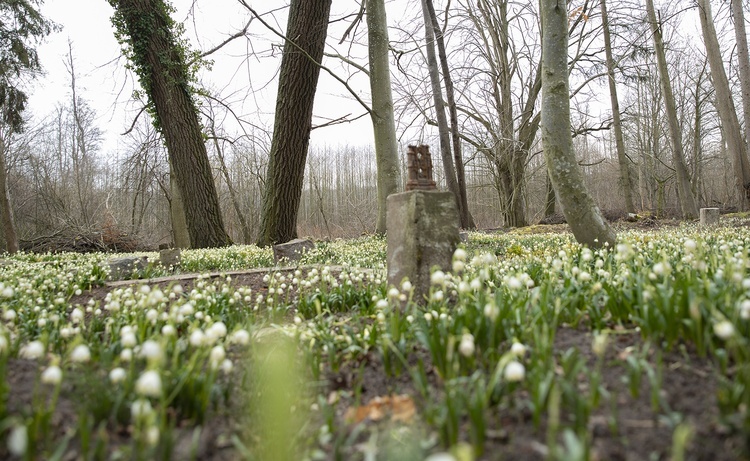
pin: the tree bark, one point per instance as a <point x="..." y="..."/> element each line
<point x="177" y="213"/>
<point x="743" y="60"/>
<point x="583" y="215"/>
<point x="163" y="72"/>
<point x="622" y="158"/>
<point x="6" y="212"/>
<point x="467" y="221"/>
<point x="725" y="103"/>
<point x="437" y="95"/>
<point x="383" y="119"/>
<point x="298" y="78"/>
<point x="687" y="201"/>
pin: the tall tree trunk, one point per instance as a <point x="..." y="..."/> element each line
<point x="298" y="79"/>
<point x="622" y="158"/>
<point x="383" y="120"/>
<point x="437" y="95"/>
<point x="687" y="201"/>
<point x="743" y="61"/>
<point x="177" y="213"/>
<point x="6" y="211"/>
<point x="725" y="104"/>
<point x="583" y="215"/>
<point x="163" y="72"/>
<point x="467" y="221"/>
<point x="230" y="187"/>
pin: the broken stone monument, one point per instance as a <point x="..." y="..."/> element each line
<point x="124" y="268"/>
<point x="422" y="227"/>
<point x="292" y="250"/>
<point x="709" y="216"/>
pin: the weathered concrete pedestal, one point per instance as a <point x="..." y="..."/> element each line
<point x="709" y="216"/>
<point x="422" y="231"/>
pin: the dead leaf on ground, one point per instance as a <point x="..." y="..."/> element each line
<point x="400" y="408"/>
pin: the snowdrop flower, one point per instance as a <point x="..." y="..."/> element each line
<point x="32" y="350"/>
<point x="599" y="344"/>
<point x="3" y="343"/>
<point x="141" y="409"/>
<point x="151" y="351"/>
<point x="9" y="315"/>
<point x="80" y="354"/>
<point x="52" y="375"/>
<point x="406" y="287"/>
<point x="76" y="316"/>
<point x="518" y="349"/>
<point x="514" y="283"/>
<point x="197" y="338"/>
<point x="241" y="337"/>
<point x="227" y="366"/>
<point x="393" y="292"/>
<point x="437" y="278"/>
<point x="381" y="304"/>
<point x="117" y="375"/>
<point x="168" y="330"/>
<point x="219" y="329"/>
<point x="514" y="372"/>
<point x="441" y="456"/>
<point x="149" y="384"/>
<point x="218" y="354"/>
<point x="8" y="292"/>
<point x="491" y="311"/>
<point x="126" y="355"/>
<point x="459" y="254"/>
<point x="466" y="346"/>
<point x="128" y="339"/>
<point x="152" y="435"/>
<point x="724" y="329"/>
<point x="18" y="440"/>
<point x="438" y="295"/>
<point x="690" y="245"/>
<point x="744" y="310"/>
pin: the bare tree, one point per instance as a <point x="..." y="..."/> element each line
<point x="685" y="193"/>
<point x="585" y="218"/>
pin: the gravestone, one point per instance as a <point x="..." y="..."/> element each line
<point x="124" y="268"/>
<point x="292" y="250"/>
<point x="422" y="227"/>
<point x="170" y="258"/>
<point x="709" y="216"/>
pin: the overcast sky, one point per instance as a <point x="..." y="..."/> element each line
<point x="248" y="83"/>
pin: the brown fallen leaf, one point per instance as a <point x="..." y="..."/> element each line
<point x="399" y="407"/>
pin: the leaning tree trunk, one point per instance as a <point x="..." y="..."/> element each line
<point x="163" y="71"/>
<point x="383" y="120"/>
<point x="180" y="230"/>
<point x="687" y="201"/>
<point x="622" y="158"/>
<point x="467" y="221"/>
<point x="437" y="95"/>
<point x="298" y="78"/>
<point x="725" y="104"/>
<point x="743" y="61"/>
<point x="583" y="215"/>
<point x="6" y="212"/>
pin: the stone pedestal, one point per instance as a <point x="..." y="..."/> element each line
<point x="422" y="231"/>
<point x="709" y="216"/>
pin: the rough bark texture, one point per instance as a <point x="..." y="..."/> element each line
<point x="383" y="120"/>
<point x="437" y="94"/>
<point x="583" y="215"/>
<point x="177" y="214"/>
<point x="725" y="105"/>
<point x="298" y="78"/>
<point x="467" y="221"/>
<point x="622" y="158"/>
<point x="687" y="202"/>
<point x="743" y="60"/>
<point x="6" y="212"/>
<point x="165" y="77"/>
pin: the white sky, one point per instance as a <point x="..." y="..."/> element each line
<point x="102" y="80"/>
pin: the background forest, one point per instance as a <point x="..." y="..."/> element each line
<point x="64" y="181"/>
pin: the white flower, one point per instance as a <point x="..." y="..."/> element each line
<point x="458" y="266"/>
<point x="217" y="355"/>
<point x="518" y="349"/>
<point x="241" y="337"/>
<point x="437" y="278"/>
<point x="491" y="311"/>
<point x="406" y="287"/>
<point x="126" y="355"/>
<point x="117" y="375"/>
<point x="141" y="408"/>
<point x="466" y="346"/>
<point x="76" y="316"/>
<point x="197" y="338"/>
<point x="152" y="435"/>
<point x="3" y="343"/>
<point x="9" y="315"/>
<point x="128" y="339"/>
<point x="18" y="440"/>
<point x="149" y="384"/>
<point x="514" y="372"/>
<point x="745" y="309"/>
<point x="438" y="295"/>
<point x="460" y="254"/>
<point x="80" y="354"/>
<point x="152" y="351"/>
<point x="514" y="283"/>
<point x="32" y="350"/>
<point x="690" y="245"/>
<point x="599" y="344"/>
<point x="168" y="330"/>
<point x="52" y="375"/>
<point x="724" y="329"/>
<point x="393" y="292"/>
<point x="441" y="456"/>
<point x="218" y="329"/>
<point x="381" y="304"/>
<point x="8" y="292"/>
